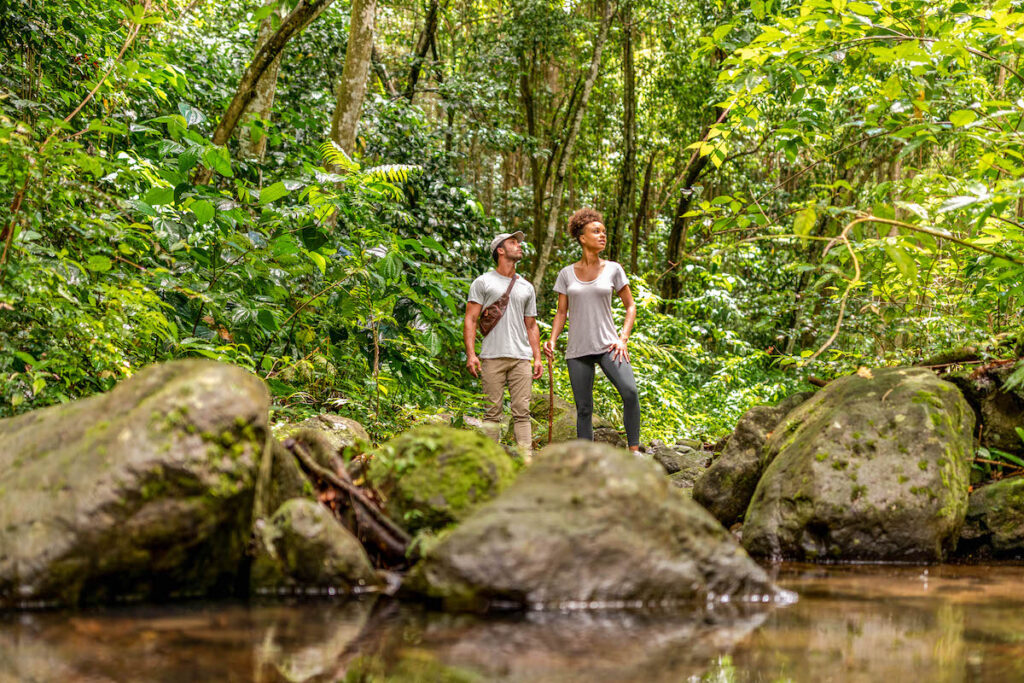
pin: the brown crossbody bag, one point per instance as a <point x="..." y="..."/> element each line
<point x="490" y="316"/>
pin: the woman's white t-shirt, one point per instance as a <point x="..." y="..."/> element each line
<point x="591" y="328"/>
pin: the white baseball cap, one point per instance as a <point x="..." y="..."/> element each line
<point x="496" y="242"/>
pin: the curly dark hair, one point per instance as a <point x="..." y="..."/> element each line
<point x="581" y="219"/>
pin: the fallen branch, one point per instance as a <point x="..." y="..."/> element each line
<point x="1000" y="463"/>
<point x="395" y="538"/>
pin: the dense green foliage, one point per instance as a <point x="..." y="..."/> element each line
<point x="804" y="175"/>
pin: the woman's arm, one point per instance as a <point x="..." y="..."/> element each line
<point x="618" y="349"/>
<point x="556" y="326"/>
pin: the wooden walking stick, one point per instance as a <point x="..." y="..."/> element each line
<point x="551" y="399"/>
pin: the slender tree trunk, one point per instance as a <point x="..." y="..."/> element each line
<point x="422" y="47"/>
<point x="386" y="84"/>
<point x="641" y="215"/>
<point x="544" y="255"/>
<point x="255" y="146"/>
<point x="526" y="70"/>
<point x="298" y="19"/>
<point x="680" y="224"/>
<point x="352" y="86"/>
<point x="622" y="213"/>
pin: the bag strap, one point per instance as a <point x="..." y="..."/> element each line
<point x="515" y="276"/>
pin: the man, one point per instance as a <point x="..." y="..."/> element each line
<point x="507" y="350"/>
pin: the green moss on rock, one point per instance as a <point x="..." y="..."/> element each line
<point x="432" y="476"/>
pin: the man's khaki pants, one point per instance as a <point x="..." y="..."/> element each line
<point x="495" y="374"/>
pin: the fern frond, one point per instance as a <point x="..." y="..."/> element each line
<point x="385" y="188"/>
<point x="393" y="173"/>
<point x="335" y="155"/>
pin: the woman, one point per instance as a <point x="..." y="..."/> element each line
<point x="585" y="291"/>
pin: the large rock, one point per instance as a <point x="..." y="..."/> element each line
<point x="431" y="476"/>
<point x="999" y="411"/>
<point x="336" y="431"/>
<point x="994" y="527"/>
<point x="564" y="423"/>
<point x="145" y="491"/>
<point x="874" y="467"/>
<point x="281" y="481"/>
<point x="586" y="524"/>
<point x="303" y="546"/>
<point x="728" y="484"/>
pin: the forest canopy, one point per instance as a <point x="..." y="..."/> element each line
<point x="306" y="188"/>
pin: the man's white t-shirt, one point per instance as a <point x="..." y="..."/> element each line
<point x="508" y="339"/>
<point x="591" y="328"/>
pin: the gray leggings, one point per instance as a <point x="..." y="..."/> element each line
<point x="581" y="376"/>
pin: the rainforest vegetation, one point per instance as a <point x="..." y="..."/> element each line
<point x="306" y="188"/>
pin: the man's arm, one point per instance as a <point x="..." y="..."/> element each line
<point x="533" y="332"/>
<point x="469" y="337"/>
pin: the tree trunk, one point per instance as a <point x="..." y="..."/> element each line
<point x="386" y="84"/>
<point x="526" y="69"/>
<point x="622" y="213"/>
<point x="255" y="146"/>
<point x="422" y="47"/>
<point x="298" y="19"/>
<point x="641" y="215"/>
<point x="677" y="237"/>
<point x="352" y="87"/>
<point x="544" y="255"/>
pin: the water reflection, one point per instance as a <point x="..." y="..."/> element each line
<point x="851" y="624"/>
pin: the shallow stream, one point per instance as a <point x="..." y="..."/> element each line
<point x="851" y="623"/>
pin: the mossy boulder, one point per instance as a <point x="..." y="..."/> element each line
<point x="679" y="457"/>
<point x="431" y="476"/>
<point x="340" y="432"/>
<point x="994" y="527"/>
<point x="587" y="524"/>
<point x="564" y="424"/>
<point x="728" y="484"/>
<point x="302" y="546"/>
<point x="874" y="467"/>
<point x="282" y="481"/>
<point x="145" y="491"/>
<point x="999" y="411"/>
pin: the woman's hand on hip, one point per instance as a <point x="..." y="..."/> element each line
<point x="619" y="351"/>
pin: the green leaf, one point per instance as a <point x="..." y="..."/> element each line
<point x="957" y="203"/>
<point x="203" y="210"/>
<point x="188" y="159"/>
<point x="757" y="7"/>
<point x="37" y="384"/>
<point x="190" y="114"/>
<point x="319" y="260"/>
<point x="98" y="263"/>
<point x="893" y="87"/>
<point x="390" y="266"/>
<point x="159" y="195"/>
<point x="267" y="320"/>
<point x="25" y="358"/>
<point x="265" y="11"/>
<point x="1015" y="381"/>
<point x="219" y="159"/>
<point x="804" y="222"/>
<point x="721" y="32"/>
<point x="272" y="193"/>
<point x="962" y="117"/>
<point x="904" y="262"/>
<point x="861" y="8"/>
